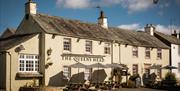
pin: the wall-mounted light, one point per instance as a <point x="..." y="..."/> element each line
<point x="53" y="36"/>
<point x="49" y="51"/>
<point x="152" y="48"/>
<point x="78" y="39"/>
<point x="126" y="45"/>
<point x="19" y="48"/>
<point x="50" y="63"/>
<point x="100" y="42"/>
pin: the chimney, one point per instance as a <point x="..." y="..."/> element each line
<point x="102" y="20"/>
<point x="30" y="7"/>
<point x="150" y="29"/>
<point x="176" y="34"/>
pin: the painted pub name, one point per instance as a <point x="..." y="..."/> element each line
<point x="82" y="58"/>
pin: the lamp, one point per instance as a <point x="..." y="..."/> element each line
<point x="49" y="51"/>
<point x="19" y="48"/>
<point x="78" y="39"/>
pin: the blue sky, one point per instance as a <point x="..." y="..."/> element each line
<point x="130" y="14"/>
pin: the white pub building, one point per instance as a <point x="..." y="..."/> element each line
<point x="44" y="46"/>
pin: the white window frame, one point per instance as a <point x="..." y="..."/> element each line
<point x="67" y="71"/>
<point x="179" y="49"/>
<point x="179" y="67"/>
<point x="135" y="51"/>
<point x="159" y="53"/>
<point x="88" y="46"/>
<point x="28" y="63"/>
<point x="147" y="53"/>
<point x="135" y="69"/>
<point x="67" y="44"/>
<point x="87" y="73"/>
<point x="107" y="48"/>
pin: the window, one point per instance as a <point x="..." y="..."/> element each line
<point x="87" y="73"/>
<point x="179" y="49"/>
<point x="88" y="46"/>
<point x="135" y="51"/>
<point x="159" y="53"/>
<point x="159" y="72"/>
<point x="67" y="71"/>
<point x="28" y="63"/>
<point x="67" y="44"/>
<point x="148" y="53"/>
<point x="179" y="67"/>
<point x="107" y="48"/>
<point x="147" y="70"/>
<point x="135" y="69"/>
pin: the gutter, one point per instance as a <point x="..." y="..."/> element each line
<point x="4" y="52"/>
<point x="119" y="53"/>
<point x="112" y="52"/>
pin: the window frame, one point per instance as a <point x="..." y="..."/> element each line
<point x="107" y="48"/>
<point x="135" y="70"/>
<point x="28" y="63"/>
<point x="68" y="71"/>
<point x="179" y="67"/>
<point x="67" y="46"/>
<point x="135" y="51"/>
<point x="159" y="53"/>
<point x="147" y="53"/>
<point x="87" y="74"/>
<point x="179" y="49"/>
<point x="88" y="46"/>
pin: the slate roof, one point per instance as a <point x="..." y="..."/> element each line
<point x="7" y="43"/>
<point x="169" y="38"/>
<point x="8" y="32"/>
<point x="75" y="28"/>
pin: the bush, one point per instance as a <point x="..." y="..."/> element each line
<point x="170" y="76"/>
<point x="133" y="77"/>
<point x="170" y="79"/>
<point x="129" y="84"/>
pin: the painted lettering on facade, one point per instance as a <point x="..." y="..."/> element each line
<point x="83" y="58"/>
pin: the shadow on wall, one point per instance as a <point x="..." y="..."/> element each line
<point x="98" y="76"/>
<point x="58" y="80"/>
<point x="77" y="78"/>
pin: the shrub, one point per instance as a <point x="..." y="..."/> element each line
<point x="170" y="79"/>
<point x="129" y="84"/>
<point x="170" y="76"/>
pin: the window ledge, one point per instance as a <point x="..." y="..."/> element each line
<point x="29" y="74"/>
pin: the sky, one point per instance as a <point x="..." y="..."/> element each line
<point x="128" y="14"/>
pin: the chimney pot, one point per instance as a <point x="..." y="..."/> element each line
<point x="30" y="7"/>
<point x="150" y="29"/>
<point x="102" y="20"/>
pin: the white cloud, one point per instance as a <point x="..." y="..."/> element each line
<point x="75" y="4"/>
<point x="131" y="5"/>
<point x="130" y="26"/>
<point x="161" y="28"/>
<point x="138" y="5"/>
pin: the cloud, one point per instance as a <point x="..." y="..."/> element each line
<point x="130" y="26"/>
<point x="138" y="5"/>
<point x="74" y="4"/>
<point x="161" y="28"/>
<point x="131" y="5"/>
<point x="178" y="2"/>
